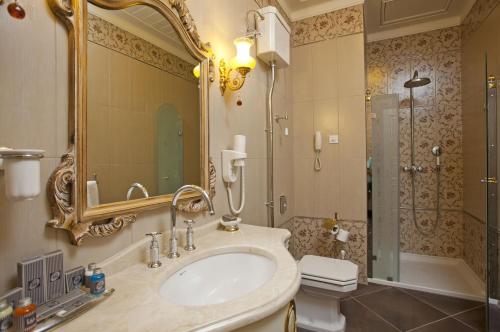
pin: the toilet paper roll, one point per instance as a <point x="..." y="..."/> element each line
<point x="343" y="235"/>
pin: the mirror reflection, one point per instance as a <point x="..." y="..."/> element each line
<point x="143" y="114"/>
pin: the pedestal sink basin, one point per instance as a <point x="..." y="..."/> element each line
<point x="217" y="279"/>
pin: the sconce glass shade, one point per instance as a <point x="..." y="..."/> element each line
<point x="196" y="71"/>
<point x="243" y="58"/>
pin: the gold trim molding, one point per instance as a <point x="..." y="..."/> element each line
<point x="66" y="187"/>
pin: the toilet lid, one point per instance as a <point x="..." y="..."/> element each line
<point x="328" y="268"/>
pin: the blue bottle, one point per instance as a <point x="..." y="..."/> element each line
<point x="97" y="282"/>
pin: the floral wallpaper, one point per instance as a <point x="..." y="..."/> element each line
<point x="438" y="121"/>
<point x="108" y="35"/>
<point x="446" y="241"/>
<point x="478" y="13"/>
<point x="309" y="237"/>
<point x="338" y="23"/>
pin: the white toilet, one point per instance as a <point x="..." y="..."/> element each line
<point x="324" y="282"/>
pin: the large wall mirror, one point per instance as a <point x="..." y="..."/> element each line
<point x="138" y="124"/>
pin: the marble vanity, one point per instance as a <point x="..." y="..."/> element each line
<point x="137" y="304"/>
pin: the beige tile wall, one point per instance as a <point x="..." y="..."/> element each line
<point x="33" y="101"/>
<point x="328" y="96"/>
<point x="124" y="95"/>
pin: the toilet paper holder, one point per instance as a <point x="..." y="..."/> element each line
<point x="21" y="168"/>
<point x="333" y="225"/>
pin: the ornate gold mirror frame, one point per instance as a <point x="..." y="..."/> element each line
<point x="66" y="187"/>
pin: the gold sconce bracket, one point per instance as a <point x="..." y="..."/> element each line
<point x="232" y="79"/>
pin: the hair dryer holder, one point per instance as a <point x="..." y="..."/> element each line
<point x="231" y="160"/>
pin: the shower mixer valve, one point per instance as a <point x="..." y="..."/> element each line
<point x="413" y="169"/>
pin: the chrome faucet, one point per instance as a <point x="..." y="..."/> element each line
<point x="173" y="214"/>
<point x="138" y="186"/>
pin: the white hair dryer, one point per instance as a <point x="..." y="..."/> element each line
<point x="232" y="161"/>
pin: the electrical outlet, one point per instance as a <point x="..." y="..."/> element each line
<point x="333" y="139"/>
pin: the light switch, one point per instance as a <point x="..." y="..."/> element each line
<point x="333" y="139"/>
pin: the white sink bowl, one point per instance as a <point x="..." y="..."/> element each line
<point x="217" y="279"/>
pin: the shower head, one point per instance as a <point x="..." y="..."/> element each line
<point x="416" y="81"/>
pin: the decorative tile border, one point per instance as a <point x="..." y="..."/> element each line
<point x="475" y="237"/>
<point x="478" y="13"/>
<point x="110" y="36"/>
<point x="309" y="237"/>
<point x="338" y="23"/>
<point x="446" y="241"/>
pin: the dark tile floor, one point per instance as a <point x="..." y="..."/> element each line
<point x="375" y="308"/>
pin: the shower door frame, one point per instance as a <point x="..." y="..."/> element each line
<point x="491" y="190"/>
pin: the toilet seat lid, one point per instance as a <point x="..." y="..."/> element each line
<point x="328" y="268"/>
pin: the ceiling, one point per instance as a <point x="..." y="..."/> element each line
<point x="389" y="18"/>
<point x="147" y="23"/>
<point x="393" y="18"/>
<point x="299" y="9"/>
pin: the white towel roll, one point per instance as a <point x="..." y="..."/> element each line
<point x="92" y="194"/>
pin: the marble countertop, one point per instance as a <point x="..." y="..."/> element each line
<point x="137" y="305"/>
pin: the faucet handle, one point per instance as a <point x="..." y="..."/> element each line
<point x="154" y="236"/>
<point x="189" y="222"/>
<point x="154" y="250"/>
<point x="189" y="235"/>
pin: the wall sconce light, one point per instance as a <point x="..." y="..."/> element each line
<point x="233" y="78"/>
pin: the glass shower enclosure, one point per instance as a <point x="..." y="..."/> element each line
<point x="383" y="169"/>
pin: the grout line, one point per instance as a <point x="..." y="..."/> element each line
<point x="433" y="306"/>
<point x="427" y="324"/>
<point x="425" y="302"/>
<point x="463" y="323"/>
<point x="462" y="312"/>
<point x="376" y="314"/>
<point x="370" y="292"/>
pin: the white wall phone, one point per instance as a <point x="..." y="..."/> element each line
<point x="317" y="148"/>
<point x="232" y="161"/>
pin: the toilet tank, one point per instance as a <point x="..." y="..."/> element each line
<point x="274" y="42"/>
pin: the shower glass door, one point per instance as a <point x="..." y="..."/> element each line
<point x="384" y="167"/>
<point x="493" y="226"/>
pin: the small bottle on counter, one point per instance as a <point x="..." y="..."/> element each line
<point x="25" y="315"/>
<point x="5" y="316"/>
<point x="97" y="282"/>
<point x="89" y="271"/>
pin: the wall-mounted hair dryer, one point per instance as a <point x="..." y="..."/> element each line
<point x="232" y="161"/>
<point x="317" y="149"/>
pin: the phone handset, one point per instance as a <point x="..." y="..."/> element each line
<point x="317" y="149"/>
<point x="232" y="161"/>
